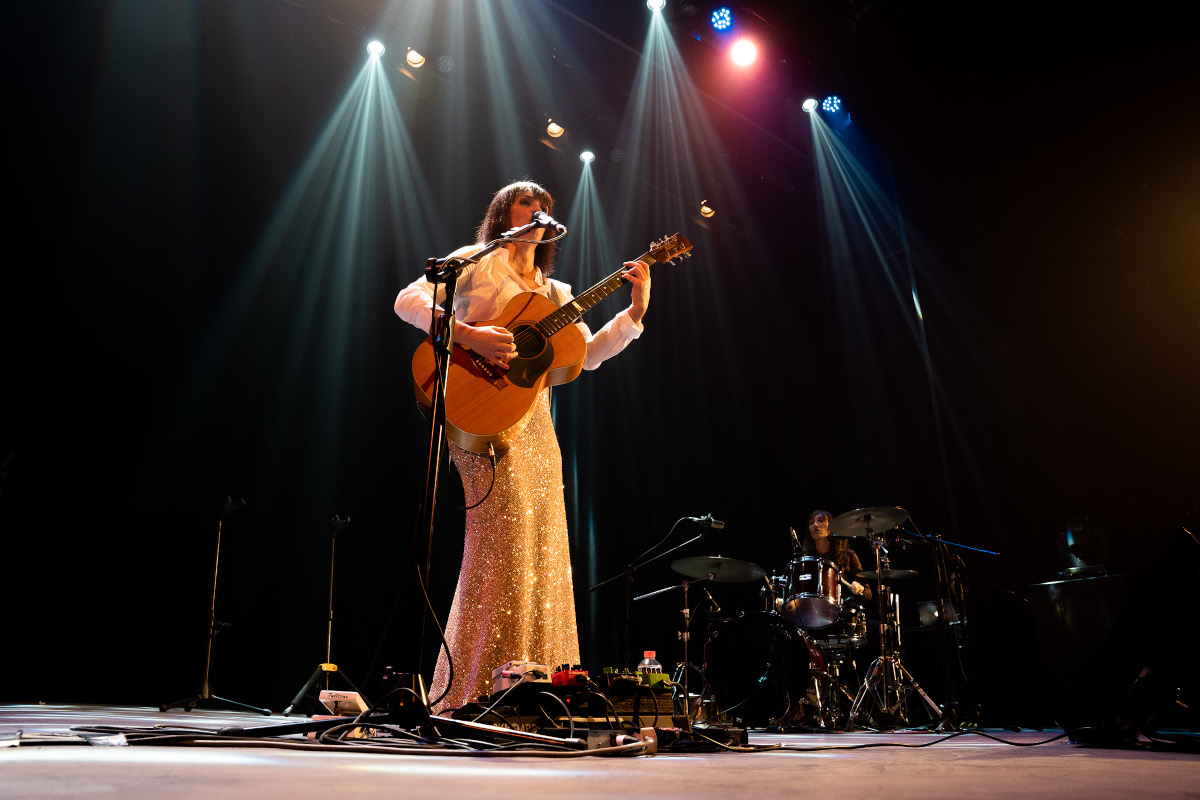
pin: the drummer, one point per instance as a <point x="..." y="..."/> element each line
<point x="835" y="550"/>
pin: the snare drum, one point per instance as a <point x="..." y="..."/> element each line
<point x="850" y="631"/>
<point x="815" y="599"/>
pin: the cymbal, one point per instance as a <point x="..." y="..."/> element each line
<point x="723" y="570"/>
<point x="877" y="519"/>
<point x="889" y="574"/>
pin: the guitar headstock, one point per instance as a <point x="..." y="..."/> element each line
<point x="669" y="247"/>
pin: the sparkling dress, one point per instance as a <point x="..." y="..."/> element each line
<point x="514" y="598"/>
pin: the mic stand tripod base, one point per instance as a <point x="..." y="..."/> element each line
<point x="207" y="698"/>
<point x="326" y="670"/>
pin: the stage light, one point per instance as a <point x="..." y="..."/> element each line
<point x="743" y="52"/>
<point x="835" y="113"/>
<point x="375" y="48"/>
<point x="810" y="105"/>
<point x="553" y="129"/>
<point x="655" y="5"/>
<point x="705" y="209"/>
<point x="722" y="19"/>
<point x="414" y="58"/>
<point x="587" y="156"/>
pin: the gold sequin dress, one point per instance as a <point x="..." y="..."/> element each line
<point x="514" y="598"/>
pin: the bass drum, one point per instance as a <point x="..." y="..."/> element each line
<point x="760" y="669"/>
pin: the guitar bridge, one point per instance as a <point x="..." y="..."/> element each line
<point x="489" y="370"/>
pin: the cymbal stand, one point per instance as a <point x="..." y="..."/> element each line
<point x="684" y="635"/>
<point x="328" y="668"/>
<point x="888" y="683"/>
<point x="206" y="697"/>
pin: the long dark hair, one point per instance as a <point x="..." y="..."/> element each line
<point x="495" y="221"/>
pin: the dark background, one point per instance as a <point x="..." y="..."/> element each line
<point x="1045" y="165"/>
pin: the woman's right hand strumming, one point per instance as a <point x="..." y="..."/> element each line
<point x="492" y="342"/>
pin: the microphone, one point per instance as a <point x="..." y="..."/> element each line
<point x="707" y="521"/>
<point x="795" y="539"/>
<point x="716" y="608"/>
<point x="547" y="221"/>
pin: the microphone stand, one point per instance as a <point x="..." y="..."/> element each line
<point x="944" y="563"/>
<point x="441" y="334"/>
<point x="629" y="573"/>
<point x="205" y="697"/>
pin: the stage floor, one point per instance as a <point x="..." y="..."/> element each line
<point x="892" y="765"/>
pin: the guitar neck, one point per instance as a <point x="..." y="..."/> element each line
<point x="569" y="312"/>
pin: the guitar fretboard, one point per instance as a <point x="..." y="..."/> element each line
<point x="567" y="313"/>
<point x="555" y="321"/>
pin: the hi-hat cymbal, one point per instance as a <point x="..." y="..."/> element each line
<point x="861" y="521"/>
<point x="888" y="574"/>
<point x="722" y="570"/>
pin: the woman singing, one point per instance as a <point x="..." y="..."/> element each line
<point x="514" y="598"/>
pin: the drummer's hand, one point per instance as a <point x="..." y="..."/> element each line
<point x="857" y="587"/>
<point x="492" y="342"/>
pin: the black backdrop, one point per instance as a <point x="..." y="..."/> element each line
<point x="1048" y="173"/>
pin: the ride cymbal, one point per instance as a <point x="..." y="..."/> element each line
<point x="722" y="570"/>
<point x="861" y="521"/>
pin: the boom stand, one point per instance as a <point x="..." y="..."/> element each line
<point x="888" y="683"/>
<point x="206" y="697"/>
<point x="328" y="668"/>
<point x="444" y="271"/>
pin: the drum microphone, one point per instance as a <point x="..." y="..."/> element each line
<point x="716" y="608"/>
<point x="707" y="521"/>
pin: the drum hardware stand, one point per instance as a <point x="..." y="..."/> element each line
<point x="206" y="697"/>
<point x="840" y="700"/>
<point x="684" y="636"/>
<point x="945" y="599"/>
<point x="327" y="668"/>
<point x="888" y="683"/>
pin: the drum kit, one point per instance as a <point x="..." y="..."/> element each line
<point x="782" y="667"/>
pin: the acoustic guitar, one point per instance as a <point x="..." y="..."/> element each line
<point x="486" y="405"/>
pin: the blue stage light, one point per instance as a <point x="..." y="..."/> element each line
<point x="831" y="104"/>
<point x="722" y="19"/>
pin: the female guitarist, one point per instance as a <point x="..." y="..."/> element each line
<point x="514" y="599"/>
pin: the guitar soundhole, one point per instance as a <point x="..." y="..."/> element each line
<point x="529" y="341"/>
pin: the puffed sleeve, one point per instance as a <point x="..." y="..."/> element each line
<point x="415" y="302"/>
<point x="605" y="343"/>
